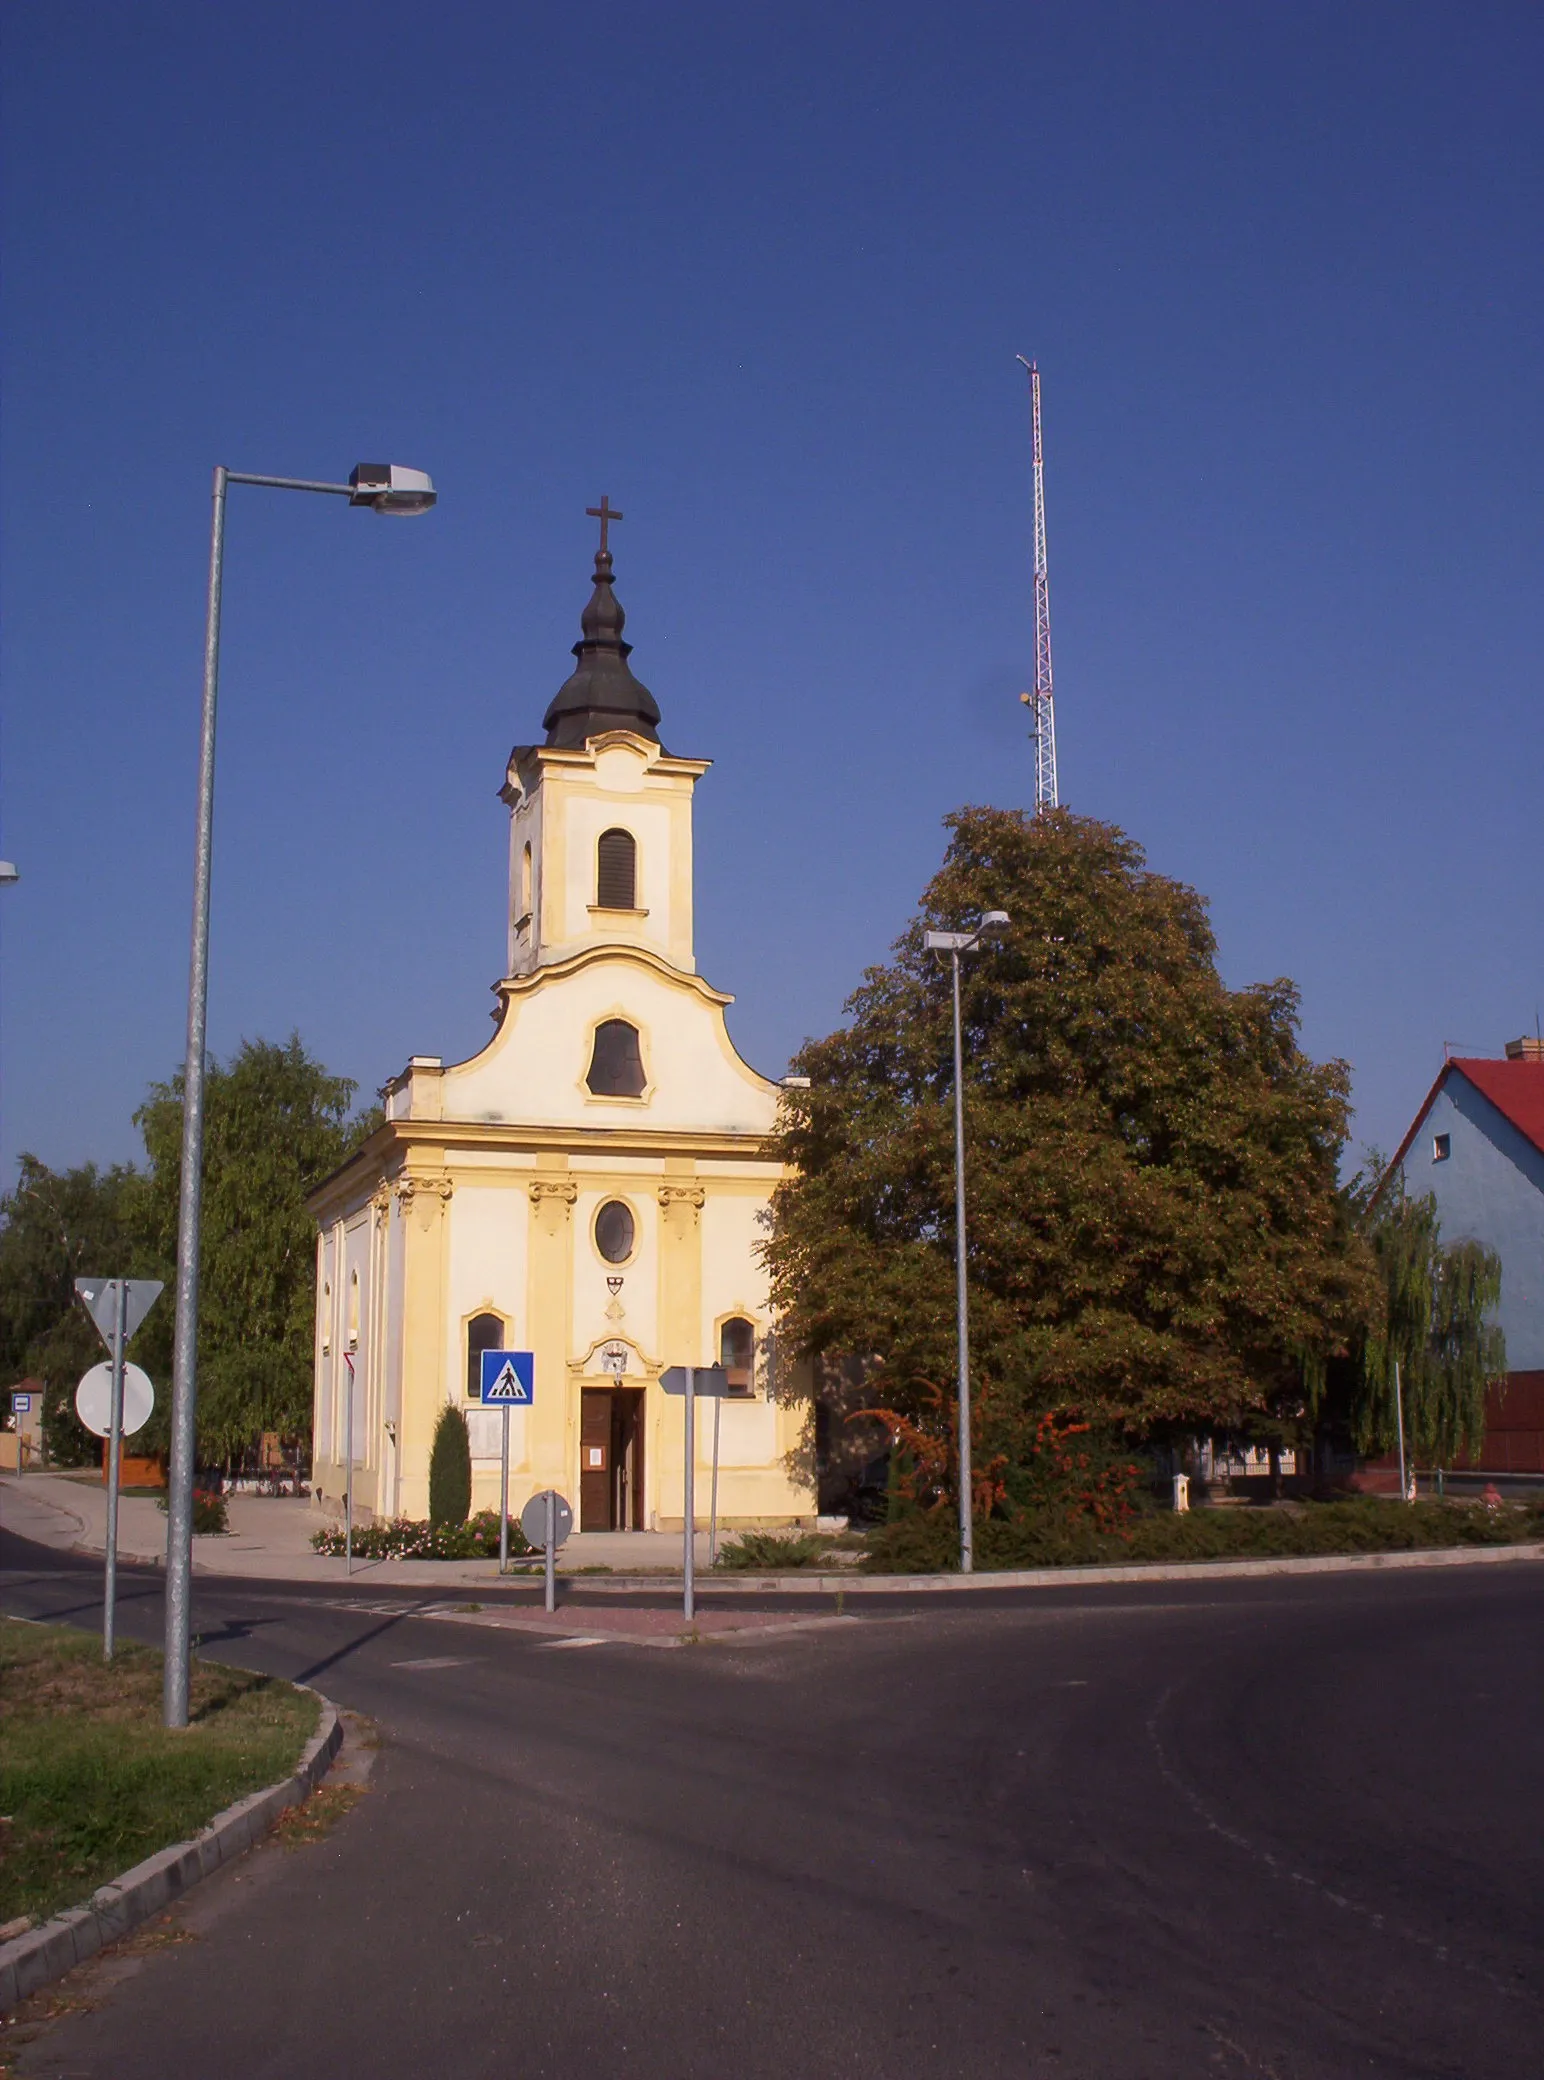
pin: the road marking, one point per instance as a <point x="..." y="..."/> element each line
<point x="581" y="1639"/>
<point x="436" y="1661"/>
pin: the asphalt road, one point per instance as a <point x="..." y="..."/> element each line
<point x="1286" y="1827"/>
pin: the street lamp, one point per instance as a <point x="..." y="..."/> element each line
<point x="382" y="487"/>
<point x="991" y="928"/>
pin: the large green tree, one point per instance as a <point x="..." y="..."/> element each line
<point x="1155" y="1232"/>
<point x="276" y="1122"/>
<point x="57" y="1226"/>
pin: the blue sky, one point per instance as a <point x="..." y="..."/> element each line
<point x="760" y="275"/>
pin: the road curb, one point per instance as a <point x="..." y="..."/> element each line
<point x="1133" y="1571"/>
<point x="44" y="1954"/>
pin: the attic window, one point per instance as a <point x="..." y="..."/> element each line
<point x="616" y="1062"/>
<point x="616" y="871"/>
<point x="1441" y="1147"/>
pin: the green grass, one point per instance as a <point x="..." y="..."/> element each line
<point x="90" y="1781"/>
<point x="930" y="1544"/>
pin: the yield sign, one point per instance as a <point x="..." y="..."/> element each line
<point x="100" y="1296"/>
<point x="508" y="1379"/>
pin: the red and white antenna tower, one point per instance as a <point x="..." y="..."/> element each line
<point x="1042" y="702"/>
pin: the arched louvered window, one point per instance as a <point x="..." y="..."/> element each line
<point x="737" y="1353"/>
<point x="484" y="1332"/>
<point x="616" y="871"/>
<point x="616" y="1064"/>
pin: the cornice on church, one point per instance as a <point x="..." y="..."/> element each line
<point x="440" y="1139"/>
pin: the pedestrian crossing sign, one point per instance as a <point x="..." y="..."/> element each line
<point x="508" y="1379"/>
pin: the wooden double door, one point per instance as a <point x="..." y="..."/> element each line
<point x="611" y="1459"/>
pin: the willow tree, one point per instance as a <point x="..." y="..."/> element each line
<point x="1154" y="1230"/>
<point x="1435" y="1326"/>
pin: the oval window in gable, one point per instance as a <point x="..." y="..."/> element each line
<point x="615" y="1232"/>
<point x="616" y="1061"/>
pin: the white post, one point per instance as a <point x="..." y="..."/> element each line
<point x="114" y="1461"/>
<point x="718" y="1403"/>
<point x="689" y="1582"/>
<point x="1399" y="1417"/>
<point x="504" y="1496"/>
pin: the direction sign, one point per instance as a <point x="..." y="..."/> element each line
<point x="94" y="1399"/>
<point x="22" y="1404"/>
<point x="533" y="1519"/>
<point x="707" y="1379"/>
<point x="100" y="1296"/>
<point x="508" y="1379"/>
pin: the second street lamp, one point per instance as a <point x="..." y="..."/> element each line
<point x="991" y="927"/>
<point x="382" y="487"/>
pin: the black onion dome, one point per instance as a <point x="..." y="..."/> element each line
<point x="602" y="693"/>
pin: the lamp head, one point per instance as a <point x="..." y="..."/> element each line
<point x="391" y="487"/>
<point x="994" y="924"/>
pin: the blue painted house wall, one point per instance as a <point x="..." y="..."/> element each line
<point x="1490" y="1189"/>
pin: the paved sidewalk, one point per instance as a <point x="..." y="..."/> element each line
<point x="270" y="1539"/>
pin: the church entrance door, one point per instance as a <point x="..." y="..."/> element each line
<point x="611" y="1459"/>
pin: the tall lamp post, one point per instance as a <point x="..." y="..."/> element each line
<point x="382" y="487"/>
<point x="991" y="927"/>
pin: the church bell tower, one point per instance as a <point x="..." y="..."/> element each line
<point x="600" y="837"/>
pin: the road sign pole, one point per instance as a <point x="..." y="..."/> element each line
<point x="718" y="1409"/>
<point x="504" y="1496"/>
<point x="1399" y="1418"/>
<point x="552" y="1539"/>
<point x="114" y="1446"/>
<point x="348" y="1469"/>
<point x="688" y="1573"/>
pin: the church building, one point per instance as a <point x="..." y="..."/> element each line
<point x="592" y="1187"/>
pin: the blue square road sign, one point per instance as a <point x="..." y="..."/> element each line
<point x="508" y="1379"/>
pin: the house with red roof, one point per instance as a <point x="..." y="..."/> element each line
<point x="1477" y="1145"/>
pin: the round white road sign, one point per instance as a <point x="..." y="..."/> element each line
<point x="533" y="1519"/>
<point x="94" y="1399"/>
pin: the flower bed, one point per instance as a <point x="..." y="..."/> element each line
<point x="405" y="1538"/>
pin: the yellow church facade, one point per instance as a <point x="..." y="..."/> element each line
<point x="592" y="1187"/>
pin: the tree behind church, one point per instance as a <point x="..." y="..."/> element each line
<point x="1155" y="1232"/>
<point x="276" y="1123"/>
<point x="57" y="1226"/>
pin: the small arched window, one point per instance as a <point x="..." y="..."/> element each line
<point x="737" y="1353"/>
<point x="484" y="1332"/>
<point x="525" y="882"/>
<point x="616" y="1062"/>
<point x="616" y="871"/>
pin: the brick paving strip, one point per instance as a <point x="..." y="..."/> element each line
<point x="44" y="1954"/>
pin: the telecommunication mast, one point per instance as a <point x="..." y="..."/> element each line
<point x="1042" y="702"/>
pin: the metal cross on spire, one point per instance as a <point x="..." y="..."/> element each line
<point x="605" y="512"/>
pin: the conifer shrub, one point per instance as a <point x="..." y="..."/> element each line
<point x="761" y="1552"/>
<point x="450" y="1470"/>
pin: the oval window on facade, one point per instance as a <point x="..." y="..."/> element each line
<point x="615" y="1230"/>
<point x="616" y="1061"/>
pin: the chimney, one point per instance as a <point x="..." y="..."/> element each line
<point x="1528" y="1049"/>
